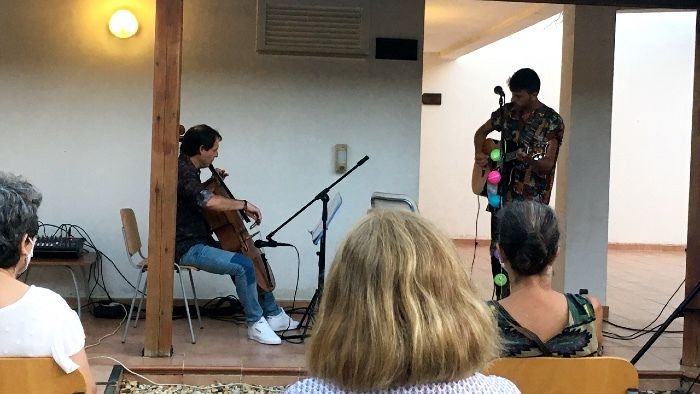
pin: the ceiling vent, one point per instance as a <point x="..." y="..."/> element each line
<point x="312" y="29"/>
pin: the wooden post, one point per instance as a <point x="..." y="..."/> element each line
<point x="163" y="200"/>
<point x="691" y="322"/>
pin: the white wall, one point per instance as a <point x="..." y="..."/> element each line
<point x="78" y="105"/>
<point x="652" y="110"/>
<point x="652" y="106"/>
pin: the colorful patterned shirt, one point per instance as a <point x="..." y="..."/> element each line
<point x="476" y="383"/>
<point x="191" y="226"/>
<point x="532" y="134"/>
<point x="577" y="339"/>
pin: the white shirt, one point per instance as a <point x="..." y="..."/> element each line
<point x="41" y="324"/>
<point x="476" y="383"/>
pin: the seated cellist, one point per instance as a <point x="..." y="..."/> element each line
<point x="195" y="246"/>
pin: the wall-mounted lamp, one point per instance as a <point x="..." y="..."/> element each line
<point x="123" y="24"/>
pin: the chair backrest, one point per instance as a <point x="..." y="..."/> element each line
<point x="542" y="375"/>
<point x="132" y="238"/>
<point x="38" y="375"/>
<point x="393" y="201"/>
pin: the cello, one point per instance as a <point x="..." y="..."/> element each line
<point x="230" y="229"/>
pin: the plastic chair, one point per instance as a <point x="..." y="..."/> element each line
<point x="541" y="375"/>
<point x="38" y="375"/>
<point x="132" y="242"/>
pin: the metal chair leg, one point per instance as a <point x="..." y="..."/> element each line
<point x="131" y="308"/>
<point x="196" y="302"/>
<point x="187" y="305"/>
<point x="143" y="294"/>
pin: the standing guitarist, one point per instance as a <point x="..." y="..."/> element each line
<point x="534" y="132"/>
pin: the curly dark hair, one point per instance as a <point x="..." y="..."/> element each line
<point x="19" y="203"/>
<point x="528" y="236"/>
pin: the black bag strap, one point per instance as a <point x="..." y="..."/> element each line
<point x="534" y="338"/>
<point x="526" y="333"/>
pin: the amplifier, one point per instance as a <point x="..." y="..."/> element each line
<point x="58" y="247"/>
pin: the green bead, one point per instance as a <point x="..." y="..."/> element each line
<point x="495" y="154"/>
<point x="500" y="279"/>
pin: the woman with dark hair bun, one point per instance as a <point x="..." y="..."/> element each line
<point x="536" y="320"/>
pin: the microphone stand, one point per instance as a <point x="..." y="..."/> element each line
<point x="678" y="312"/>
<point x="505" y="135"/>
<point x="502" y="188"/>
<point x="316" y="299"/>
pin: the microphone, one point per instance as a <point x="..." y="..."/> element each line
<point x="259" y="243"/>
<point x="499" y="91"/>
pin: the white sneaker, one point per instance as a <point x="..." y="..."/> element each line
<point x="261" y="332"/>
<point x="282" y="322"/>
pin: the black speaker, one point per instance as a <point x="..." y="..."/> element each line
<point x="109" y="310"/>
<point x="396" y="49"/>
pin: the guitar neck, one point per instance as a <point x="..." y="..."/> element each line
<point x="536" y="154"/>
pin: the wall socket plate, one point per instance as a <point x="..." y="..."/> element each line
<point x="341" y="158"/>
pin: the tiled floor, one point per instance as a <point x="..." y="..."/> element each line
<point x="639" y="283"/>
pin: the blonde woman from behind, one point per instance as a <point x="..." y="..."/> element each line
<point x="399" y="314"/>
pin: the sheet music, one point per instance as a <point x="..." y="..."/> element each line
<point x="333" y="207"/>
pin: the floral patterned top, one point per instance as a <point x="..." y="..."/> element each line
<point x="578" y="339"/>
<point x="476" y="383"/>
<point x="532" y="133"/>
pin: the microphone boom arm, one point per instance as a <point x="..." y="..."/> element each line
<point x="320" y="196"/>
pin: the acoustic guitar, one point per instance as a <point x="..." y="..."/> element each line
<point x="479" y="174"/>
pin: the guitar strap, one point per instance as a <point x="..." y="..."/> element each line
<point x="507" y="170"/>
<point x="532" y="136"/>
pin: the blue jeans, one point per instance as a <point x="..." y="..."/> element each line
<point x="240" y="268"/>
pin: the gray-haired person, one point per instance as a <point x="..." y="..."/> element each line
<point x="34" y="322"/>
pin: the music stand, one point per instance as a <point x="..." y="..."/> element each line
<point x="335" y="204"/>
<point x="316" y="299"/>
